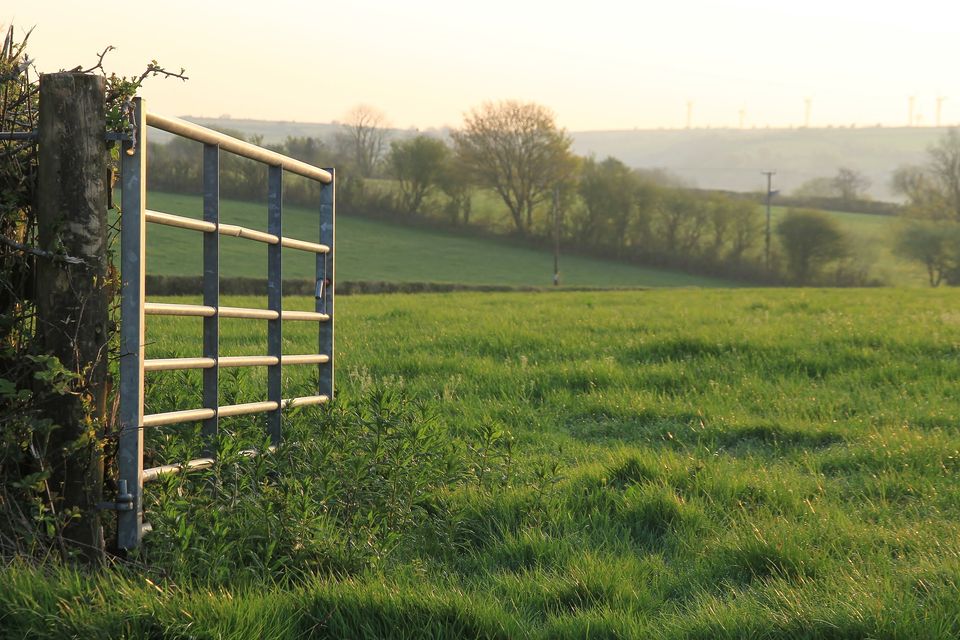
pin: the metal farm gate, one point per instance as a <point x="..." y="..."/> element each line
<point x="134" y="308"/>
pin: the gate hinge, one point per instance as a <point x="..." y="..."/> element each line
<point x="124" y="499"/>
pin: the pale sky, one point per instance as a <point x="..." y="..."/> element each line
<point x="597" y="65"/>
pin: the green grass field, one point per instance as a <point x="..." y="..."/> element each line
<point x="371" y="250"/>
<point x="684" y="464"/>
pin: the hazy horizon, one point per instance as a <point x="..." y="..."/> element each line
<point x="615" y="67"/>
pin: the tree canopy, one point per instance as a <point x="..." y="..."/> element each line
<point x="516" y="149"/>
<point x="810" y="240"/>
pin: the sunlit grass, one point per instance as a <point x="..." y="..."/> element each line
<point x="776" y="464"/>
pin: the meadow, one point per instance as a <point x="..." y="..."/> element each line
<point x="380" y="251"/>
<point x="652" y="464"/>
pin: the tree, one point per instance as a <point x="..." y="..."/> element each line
<point x="363" y="137"/>
<point x="417" y="164"/>
<point x="810" y="239"/>
<point x="680" y="221"/>
<point x="820" y="187"/>
<point x="924" y="199"/>
<point x="850" y="184"/>
<point x="608" y="192"/>
<point x="933" y="190"/>
<point x="455" y="182"/>
<point x="935" y="245"/>
<point x="517" y="150"/>
<point x="735" y="227"/>
<point x="944" y="166"/>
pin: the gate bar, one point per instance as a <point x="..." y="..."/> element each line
<point x="132" y="270"/>
<point x="325" y="283"/>
<point x="275" y="301"/>
<point x="193" y="415"/>
<point x="182" y="364"/>
<point x="192" y="465"/>
<point x="239" y="147"/>
<point x="211" y="295"/>
<point x="179" y="364"/>
<point x="169" y="469"/>
<point x="169" y="309"/>
<point x="182" y="222"/>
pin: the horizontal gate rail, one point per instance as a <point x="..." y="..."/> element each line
<point x="230" y="410"/>
<point x="170" y="309"/>
<point x="182" y="222"/>
<point x="238" y="147"/>
<point x="134" y="308"/>
<point x="193" y="465"/>
<point x="182" y="364"/>
<point x="170" y="469"/>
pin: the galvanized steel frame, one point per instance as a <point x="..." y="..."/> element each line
<point x="134" y="308"/>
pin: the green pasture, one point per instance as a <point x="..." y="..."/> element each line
<point x="372" y="250"/>
<point x="652" y="464"/>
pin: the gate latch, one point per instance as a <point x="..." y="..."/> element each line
<point x="124" y="499"/>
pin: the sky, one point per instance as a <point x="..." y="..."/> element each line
<point x="599" y="65"/>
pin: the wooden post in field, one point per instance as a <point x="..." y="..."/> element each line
<point x="72" y="301"/>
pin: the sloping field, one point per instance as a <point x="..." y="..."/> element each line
<point x="665" y="464"/>
<point x="371" y="250"/>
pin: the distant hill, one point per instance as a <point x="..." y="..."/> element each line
<point x="729" y="159"/>
<point x="732" y="159"/>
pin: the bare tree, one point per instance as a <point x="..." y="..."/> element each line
<point x="945" y="169"/>
<point x="933" y="190"/>
<point x="516" y="149"/>
<point x="850" y="184"/>
<point x="363" y="137"/>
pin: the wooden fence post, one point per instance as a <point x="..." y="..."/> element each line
<point x="72" y="300"/>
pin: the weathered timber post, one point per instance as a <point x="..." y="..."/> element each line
<point x="72" y="301"/>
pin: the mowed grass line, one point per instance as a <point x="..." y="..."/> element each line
<point x="372" y="250"/>
<point x="686" y="464"/>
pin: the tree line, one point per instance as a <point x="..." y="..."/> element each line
<point x="515" y="154"/>
<point x="930" y="233"/>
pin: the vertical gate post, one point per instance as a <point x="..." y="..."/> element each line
<point x="132" y="270"/>
<point x="325" y="281"/>
<point x="275" y="301"/>
<point x="211" y="294"/>
<point x="72" y="300"/>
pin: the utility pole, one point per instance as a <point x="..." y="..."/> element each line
<point x="556" y="236"/>
<point x="766" y="250"/>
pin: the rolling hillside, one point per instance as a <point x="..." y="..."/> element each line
<point x="372" y="250"/>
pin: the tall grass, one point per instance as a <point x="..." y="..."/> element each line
<point x="777" y="464"/>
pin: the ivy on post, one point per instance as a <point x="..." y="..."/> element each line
<point x="72" y="299"/>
